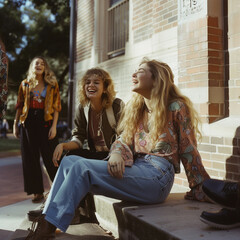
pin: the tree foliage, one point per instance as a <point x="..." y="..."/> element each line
<point x="36" y="28"/>
<point x="11" y="27"/>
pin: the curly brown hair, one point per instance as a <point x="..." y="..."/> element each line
<point x="109" y="92"/>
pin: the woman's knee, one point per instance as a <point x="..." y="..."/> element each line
<point x="70" y="159"/>
<point x="67" y="162"/>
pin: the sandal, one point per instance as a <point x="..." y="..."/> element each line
<point x="38" y="198"/>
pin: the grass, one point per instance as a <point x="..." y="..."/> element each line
<point x="9" y="144"/>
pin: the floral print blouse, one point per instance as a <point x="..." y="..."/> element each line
<point x="176" y="143"/>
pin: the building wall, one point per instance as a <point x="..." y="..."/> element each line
<point x="221" y="146"/>
<point x="200" y="47"/>
<point x="85" y="29"/>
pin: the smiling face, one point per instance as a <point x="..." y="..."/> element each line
<point x="142" y="81"/>
<point x="38" y="66"/>
<point x="94" y="87"/>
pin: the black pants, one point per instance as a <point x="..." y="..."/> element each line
<point x="34" y="141"/>
<point x="88" y="154"/>
<point x="238" y="200"/>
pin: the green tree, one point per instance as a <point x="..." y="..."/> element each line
<point x="11" y="27"/>
<point x="45" y="32"/>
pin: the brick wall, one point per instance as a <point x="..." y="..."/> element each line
<point x="201" y="64"/>
<point x="153" y="16"/>
<point x="85" y="29"/>
<point x="220" y="156"/>
<point x="216" y="79"/>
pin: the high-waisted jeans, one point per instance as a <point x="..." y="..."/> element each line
<point x="148" y="181"/>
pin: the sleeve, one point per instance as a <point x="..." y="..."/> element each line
<point x="122" y="148"/>
<point x="56" y="99"/>
<point x="20" y="98"/>
<point x="187" y="145"/>
<point x="79" y="133"/>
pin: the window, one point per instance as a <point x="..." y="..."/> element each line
<point x="118" y="17"/>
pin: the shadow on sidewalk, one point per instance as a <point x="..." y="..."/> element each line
<point x="11" y="184"/>
<point x="5" y="234"/>
<point x="63" y="236"/>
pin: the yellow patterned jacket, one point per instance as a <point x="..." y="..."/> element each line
<point x="52" y="100"/>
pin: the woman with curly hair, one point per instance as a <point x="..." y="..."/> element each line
<point x="96" y="118"/>
<point x="38" y="107"/>
<point x="158" y="130"/>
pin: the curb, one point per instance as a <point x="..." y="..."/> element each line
<point x="9" y="154"/>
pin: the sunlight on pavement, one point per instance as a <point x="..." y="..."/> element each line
<point x="11" y="216"/>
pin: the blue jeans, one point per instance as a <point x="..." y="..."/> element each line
<point x="148" y="181"/>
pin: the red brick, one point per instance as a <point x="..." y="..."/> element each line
<point x="232" y="168"/>
<point x="213" y="108"/>
<point x="213" y="21"/>
<point x="215" y="46"/>
<point x="215" y="60"/>
<point x="214" y="68"/>
<point x="214" y="38"/>
<point x="214" y="31"/>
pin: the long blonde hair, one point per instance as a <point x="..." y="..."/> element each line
<point x="109" y="93"/>
<point x="163" y="94"/>
<point x="48" y="75"/>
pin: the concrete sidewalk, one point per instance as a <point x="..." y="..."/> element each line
<point x="11" y="181"/>
<point x="176" y="219"/>
<point x="12" y="216"/>
<point x="14" y="202"/>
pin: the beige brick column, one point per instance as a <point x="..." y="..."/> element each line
<point x="200" y="56"/>
<point x="234" y="59"/>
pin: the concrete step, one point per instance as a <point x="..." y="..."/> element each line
<point x="176" y="219"/>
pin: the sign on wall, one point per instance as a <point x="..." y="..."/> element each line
<point x="191" y="8"/>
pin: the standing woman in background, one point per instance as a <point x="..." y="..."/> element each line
<point x="38" y="107"/>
